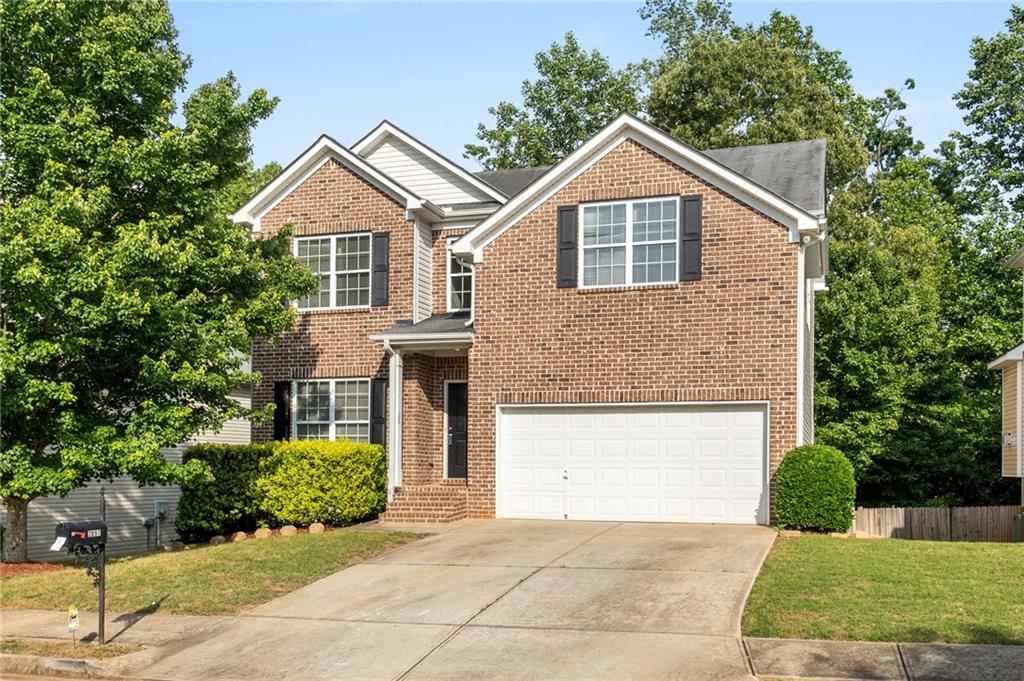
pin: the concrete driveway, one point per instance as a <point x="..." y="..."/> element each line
<point x="506" y="599"/>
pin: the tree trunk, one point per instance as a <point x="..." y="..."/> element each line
<point x="16" y="532"/>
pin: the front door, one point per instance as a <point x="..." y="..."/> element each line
<point x="456" y="412"/>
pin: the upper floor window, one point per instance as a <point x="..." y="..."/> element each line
<point x="342" y="263"/>
<point x="460" y="282"/>
<point x="629" y="242"/>
<point x="333" y="410"/>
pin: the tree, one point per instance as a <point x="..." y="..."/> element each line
<point x="576" y="94"/>
<point x="720" y="84"/>
<point x="993" y="102"/>
<point x="128" y="300"/>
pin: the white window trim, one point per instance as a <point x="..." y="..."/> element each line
<point x="335" y="272"/>
<point x="628" y="244"/>
<point x="332" y="424"/>
<point x="448" y="279"/>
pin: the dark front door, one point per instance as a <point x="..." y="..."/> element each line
<point x="458" y="404"/>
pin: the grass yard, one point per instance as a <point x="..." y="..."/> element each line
<point x="889" y="590"/>
<point x="211" y="580"/>
<point x="65" y="649"/>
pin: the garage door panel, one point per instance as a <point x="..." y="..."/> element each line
<point x="661" y="463"/>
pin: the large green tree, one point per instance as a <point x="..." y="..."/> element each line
<point x="721" y="84"/>
<point x="128" y="300"/>
<point x="575" y="94"/>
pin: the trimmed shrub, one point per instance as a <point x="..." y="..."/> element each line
<point x="229" y="500"/>
<point x="308" y="481"/>
<point x="815" y="490"/>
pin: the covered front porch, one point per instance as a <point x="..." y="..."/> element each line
<point x="428" y="417"/>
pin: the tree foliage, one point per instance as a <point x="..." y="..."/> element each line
<point x="721" y="84"/>
<point x="575" y="95"/>
<point x="129" y="301"/>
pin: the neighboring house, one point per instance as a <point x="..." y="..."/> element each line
<point x="626" y="335"/>
<point x="1011" y="365"/>
<point x="129" y="506"/>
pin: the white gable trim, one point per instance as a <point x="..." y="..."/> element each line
<point x="319" y="153"/>
<point x="628" y="127"/>
<point x="1014" y="355"/>
<point x="379" y="134"/>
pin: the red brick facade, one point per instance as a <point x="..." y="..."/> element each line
<point x="732" y="335"/>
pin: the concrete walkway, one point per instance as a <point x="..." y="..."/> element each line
<point x="505" y="600"/>
<point x="884" y="661"/>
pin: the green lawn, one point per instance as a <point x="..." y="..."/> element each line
<point x="889" y="590"/>
<point x="212" y="580"/>
<point x="65" y="649"/>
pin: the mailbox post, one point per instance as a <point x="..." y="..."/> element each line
<point x="87" y="540"/>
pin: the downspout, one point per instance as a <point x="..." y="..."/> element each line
<point x="395" y="375"/>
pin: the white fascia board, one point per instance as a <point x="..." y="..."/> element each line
<point x="628" y="127"/>
<point x="386" y="128"/>
<point x="1015" y="355"/>
<point x="311" y="160"/>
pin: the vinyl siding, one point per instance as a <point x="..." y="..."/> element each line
<point x="424" y="269"/>
<point x="128" y="505"/>
<point x="808" y="368"/>
<point x="1011" y="418"/>
<point x="422" y="175"/>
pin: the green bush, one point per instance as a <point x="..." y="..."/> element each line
<point x="309" y="481"/>
<point x="227" y="502"/>
<point x="815" y="490"/>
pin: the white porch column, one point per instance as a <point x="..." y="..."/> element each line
<point x="395" y="375"/>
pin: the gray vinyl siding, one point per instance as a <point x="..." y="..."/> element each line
<point x="423" y="175"/>
<point x="128" y="505"/>
<point x="808" y="368"/>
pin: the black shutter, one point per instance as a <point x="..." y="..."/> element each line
<point x="282" y="410"/>
<point x="378" y="410"/>
<point x="689" y="238"/>
<point x="379" y="269"/>
<point x="567" y="247"/>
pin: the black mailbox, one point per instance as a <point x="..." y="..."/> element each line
<point x="85" y="533"/>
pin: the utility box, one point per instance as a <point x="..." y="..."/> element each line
<point x="1018" y="527"/>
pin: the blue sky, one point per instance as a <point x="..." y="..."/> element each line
<point x="434" y="69"/>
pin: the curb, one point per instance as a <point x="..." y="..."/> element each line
<point x="37" y="665"/>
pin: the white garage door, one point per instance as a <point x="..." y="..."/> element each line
<point x="645" y="463"/>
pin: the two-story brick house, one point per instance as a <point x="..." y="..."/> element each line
<point x="626" y="335"/>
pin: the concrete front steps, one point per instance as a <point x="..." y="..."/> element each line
<point x="427" y="504"/>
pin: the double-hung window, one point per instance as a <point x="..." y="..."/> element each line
<point x="630" y="242"/>
<point x="342" y="263"/>
<point x="460" y="282"/>
<point x="333" y="409"/>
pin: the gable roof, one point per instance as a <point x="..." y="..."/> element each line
<point x="512" y="180"/>
<point x="387" y="129"/>
<point x="793" y="170"/>
<point x="1016" y="260"/>
<point x="628" y="127"/>
<point x="1015" y="355"/>
<point x="312" y="159"/>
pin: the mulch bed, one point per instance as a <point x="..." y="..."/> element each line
<point x="17" y="569"/>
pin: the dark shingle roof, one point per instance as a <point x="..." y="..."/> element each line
<point x="793" y="170"/>
<point x="511" y="182"/>
<point x="453" y="322"/>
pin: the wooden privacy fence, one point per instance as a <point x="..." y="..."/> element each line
<point x="962" y="523"/>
